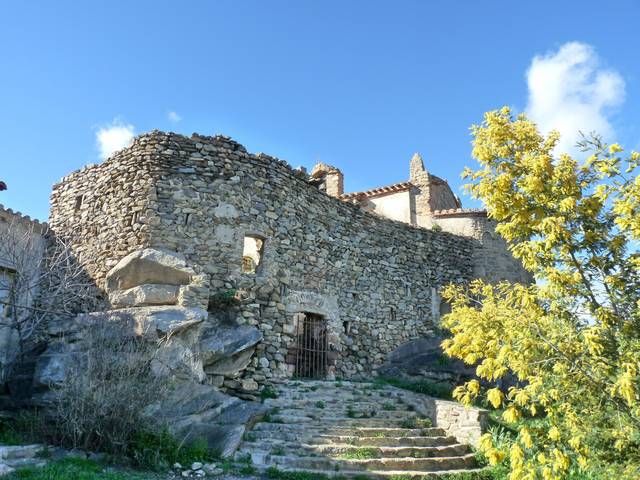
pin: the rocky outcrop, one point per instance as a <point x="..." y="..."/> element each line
<point x="195" y="411"/>
<point x="187" y="342"/>
<point x="226" y="351"/>
<point x="424" y="359"/>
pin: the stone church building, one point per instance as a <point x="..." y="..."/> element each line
<point x="301" y="278"/>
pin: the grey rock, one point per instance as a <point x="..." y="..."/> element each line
<point x="224" y="341"/>
<point x="232" y="365"/>
<point x="53" y="366"/>
<point x="155" y="321"/>
<point x="5" y="469"/>
<point x="143" y="295"/>
<point x="149" y="266"/>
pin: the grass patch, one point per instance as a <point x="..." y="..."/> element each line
<point x="425" y="387"/>
<point x="158" y="451"/>
<point x="76" y="469"/>
<point x="268" y="392"/>
<point x="362" y="453"/>
<point x="388" y="406"/>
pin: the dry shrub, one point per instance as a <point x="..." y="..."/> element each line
<point x="100" y="404"/>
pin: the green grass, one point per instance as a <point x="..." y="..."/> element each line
<point x="425" y="387"/>
<point x="389" y="406"/>
<point x="77" y="469"/>
<point x="361" y="453"/>
<point x="158" y="451"/>
<point x="268" y="392"/>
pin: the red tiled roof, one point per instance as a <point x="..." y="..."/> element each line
<point x="396" y="187"/>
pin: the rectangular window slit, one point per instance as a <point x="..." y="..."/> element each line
<point x="252" y="253"/>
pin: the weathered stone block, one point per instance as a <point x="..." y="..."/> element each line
<point x="143" y="295"/>
<point x="149" y="266"/>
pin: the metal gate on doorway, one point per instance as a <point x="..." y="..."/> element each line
<point x="312" y="347"/>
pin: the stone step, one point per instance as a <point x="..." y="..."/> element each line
<point x="389" y="441"/>
<point x="370" y="464"/>
<point x="332" y="414"/>
<point x="332" y="422"/>
<point x="11" y="452"/>
<point x="388" y="474"/>
<point x="344" y="430"/>
<point x="268" y="437"/>
<point x="335" y="403"/>
<point x="352" y="451"/>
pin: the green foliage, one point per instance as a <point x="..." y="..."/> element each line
<point x="75" y="469"/>
<point x="361" y="453"/>
<point x="572" y="339"/>
<point x="268" y="392"/>
<point x="277" y="450"/>
<point x="223" y="299"/>
<point x="160" y="450"/>
<point x="351" y="413"/>
<point x="389" y="406"/>
<point x="28" y="426"/>
<point x="320" y="404"/>
<point x="425" y="387"/>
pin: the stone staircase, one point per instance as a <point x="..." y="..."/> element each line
<point x="350" y="429"/>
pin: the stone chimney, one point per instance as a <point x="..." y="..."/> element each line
<point x="417" y="174"/>
<point x="328" y="179"/>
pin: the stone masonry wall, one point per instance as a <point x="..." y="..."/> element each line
<point x="370" y="277"/>
<point x="492" y="260"/>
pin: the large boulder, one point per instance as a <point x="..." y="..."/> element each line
<point x="424" y="359"/>
<point x="176" y="330"/>
<point x="201" y="412"/>
<point x="149" y="266"/>
<point x="224" y="341"/>
<point x="230" y="366"/>
<point x="144" y="295"/>
<point x="53" y="366"/>
<point x="155" y="322"/>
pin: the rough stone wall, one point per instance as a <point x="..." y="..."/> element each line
<point x="372" y="278"/>
<point x="106" y="208"/>
<point x="492" y="260"/>
<point x="431" y="193"/>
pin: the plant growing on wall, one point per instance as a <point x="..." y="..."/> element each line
<point x="573" y="338"/>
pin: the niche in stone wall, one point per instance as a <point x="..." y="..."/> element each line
<point x="252" y="251"/>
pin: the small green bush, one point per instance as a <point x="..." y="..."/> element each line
<point x="268" y="392"/>
<point x="160" y="450"/>
<point x="222" y="300"/>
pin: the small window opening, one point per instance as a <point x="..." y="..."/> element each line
<point x="283" y="290"/>
<point x="78" y="204"/>
<point x="407" y="291"/>
<point x="392" y="314"/>
<point x="187" y="219"/>
<point x="346" y="326"/>
<point x="252" y="253"/>
<point x="134" y="218"/>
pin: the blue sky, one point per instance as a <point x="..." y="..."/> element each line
<point x="358" y="84"/>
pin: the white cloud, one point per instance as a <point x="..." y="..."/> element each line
<point x="569" y="91"/>
<point x="173" y="117"/>
<point x="113" y="137"/>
